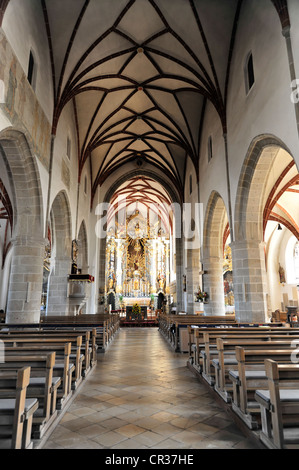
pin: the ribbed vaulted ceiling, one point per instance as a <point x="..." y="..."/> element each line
<point x="139" y="73"/>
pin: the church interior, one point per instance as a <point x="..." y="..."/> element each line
<point x="149" y="224"/>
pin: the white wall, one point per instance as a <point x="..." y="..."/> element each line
<point x="212" y="174"/>
<point x="266" y="110"/>
<point x="24" y="27"/>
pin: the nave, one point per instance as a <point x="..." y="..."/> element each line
<point x="141" y="395"/>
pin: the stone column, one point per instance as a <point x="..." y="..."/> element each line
<point x="179" y="274"/>
<point x="213" y="285"/>
<point x="101" y="274"/>
<point x="57" y="303"/>
<point x="250" y="282"/>
<point x="192" y="279"/>
<point x="25" y="283"/>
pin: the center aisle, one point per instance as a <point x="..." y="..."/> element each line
<point x="141" y="395"/>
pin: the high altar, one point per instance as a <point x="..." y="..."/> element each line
<point x="137" y="263"/>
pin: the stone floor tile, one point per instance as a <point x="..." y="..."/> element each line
<point x="109" y="439"/>
<point x="130" y="430"/>
<point x="113" y="423"/>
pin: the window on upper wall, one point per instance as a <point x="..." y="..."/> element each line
<point x="210" y="149"/>
<point x="85" y="185"/>
<point x="31" y="74"/>
<point x="249" y="73"/>
<point x="190" y="184"/>
<point x="68" y="147"/>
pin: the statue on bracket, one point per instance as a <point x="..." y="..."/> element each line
<point x="281" y="272"/>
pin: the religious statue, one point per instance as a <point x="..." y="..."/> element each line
<point x="136" y="284"/>
<point x="281" y="272"/>
<point x="160" y="285"/>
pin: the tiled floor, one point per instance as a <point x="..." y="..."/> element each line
<point x="142" y="396"/>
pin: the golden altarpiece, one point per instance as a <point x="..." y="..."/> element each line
<point x="137" y="263"/>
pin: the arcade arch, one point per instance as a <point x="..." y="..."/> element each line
<point x="26" y="219"/>
<point x="266" y="196"/>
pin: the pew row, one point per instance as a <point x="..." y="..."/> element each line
<point x="107" y="325"/>
<point x="88" y="342"/>
<point x="207" y="349"/>
<point x="16" y="410"/>
<point x="174" y="328"/>
<point x="197" y="341"/>
<point x="228" y="356"/>
<point x="250" y="375"/>
<point x="76" y="372"/>
<point x="279" y="406"/>
<point x="63" y="367"/>
<point x="42" y="386"/>
<point x="75" y="346"/>
<point x="236" y="393"/>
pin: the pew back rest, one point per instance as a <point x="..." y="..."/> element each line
<point x="285" y="375"/>
<point x="257" y="343"/>
<point x="258" y="356"/>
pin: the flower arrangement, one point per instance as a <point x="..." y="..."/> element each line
<point x="136" y="311"/>
<point x="201" y="296"/>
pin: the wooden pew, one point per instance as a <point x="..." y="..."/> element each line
<point x="227" y="361"/>
<point x="94" y="330"/>
<point x="89" y="339"/>
<point x="106" y="325"/>
<point x="178" y="331"/>
<point x="36" y="338"/>
<point x="63" y="367"/>
<point x="279" y="406"/>
<point x="16" y="411"/>
<point x="174" y="327"/>
<point x="200" y="344"/>
<point x="41" y="368"/>
<point x="210" y="344"/>
<point x="88" y="346"/>
<point x="250" y="376"/>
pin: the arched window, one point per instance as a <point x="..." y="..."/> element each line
<point x="68" y="147"/>
<point x="85" y="185"/>
<point x="31" y="74"/>
<point x="249" y="73"/>
<point x="210" y="149"/>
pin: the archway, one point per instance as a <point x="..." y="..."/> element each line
<point x="60" y="225"/>
<point x="141" y="244"/>
<point x="215" y="239"/>
<point x="267" y="167"/>
<point x="27" y="242"/>
<point x="281" y="236"/>
<point x="6" y="227"/>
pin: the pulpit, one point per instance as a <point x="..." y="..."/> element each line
<point x="78" y="292"/>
